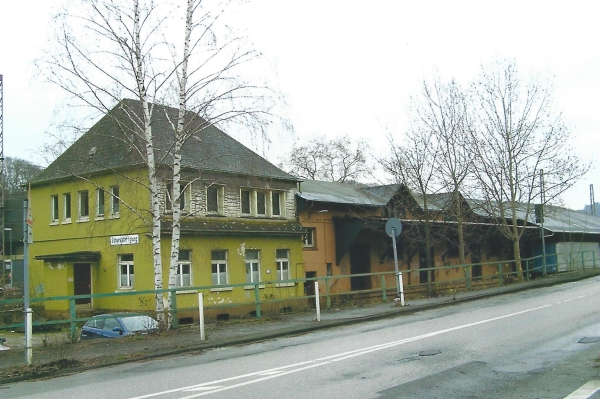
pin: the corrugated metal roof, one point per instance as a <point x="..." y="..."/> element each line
<point x="339" y="193"/>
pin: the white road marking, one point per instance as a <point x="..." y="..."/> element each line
<point x="203" y="389"/>
<point x="297" y="367"/>
<point x="586" y="390"/>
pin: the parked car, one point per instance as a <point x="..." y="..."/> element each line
<point x="118" y="325"/>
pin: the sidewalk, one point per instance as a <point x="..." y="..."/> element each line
<point x="54" y="355"/>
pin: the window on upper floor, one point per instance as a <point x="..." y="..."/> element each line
<point x="215" y="199"/>
<point x="184" y="269"/>
<point x="114" y="201"/>
<point x="83" y="205"/>
<point x="54" y="208"/>
<point x="261" y="202"/>
<point x="67" y="205"/>
<point x="184" y="198"/>
<point x="245" y="201"/>
<point x="100" y="203"/>
<point x="309" y="238"/>
<point x="277" y="203"/>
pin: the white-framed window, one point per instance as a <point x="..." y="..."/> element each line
<point x="245" y="201"/>
<point x="252" y="265"/>
<point x="184" y="269"/>
<point x="309" y="238"/>
<point x="99" y="203"/>
<point x="219" y="267"/>
<point x="277" y="203"/>
<point x="114" y="201"/>
<point x="184" y="198"/>
<point x="282" y="259"/>
<point x="67" y="207"/>
<point x="215" y="199"/>
<point x="83" y="202"/>
<point x="126" y="271"/>
<point x="261" y="203"/>
<point x="54" y="208"/>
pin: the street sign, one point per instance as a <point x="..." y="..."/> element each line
<point x="393" y="226"/>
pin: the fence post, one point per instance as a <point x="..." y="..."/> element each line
<point x="257" y="300"/>
<point x="527" y="269"/>
<point x="327" y="296"/>
<point x="593" y="259"/>
<point x="72" y="317"/>
<point x="317" y="301"/>
<point x="500" y="277"/>
<point x="175" y="319"/>
<point x="468" y="273"/>
<point x="383" y="290"/>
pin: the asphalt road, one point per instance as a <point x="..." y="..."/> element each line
<point x="522" y="345"/>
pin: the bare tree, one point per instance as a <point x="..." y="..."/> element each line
<point x="17" y="173"/>
<point x="413" y="162"/>
<point x="443" y="111"/>
<point x="109" y="49"/>
<point x="338" y="159"/>
<point x="516" y="134"/>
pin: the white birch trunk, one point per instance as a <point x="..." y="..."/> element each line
<point x="151" y="162"/>
<point x="180" y="139"/>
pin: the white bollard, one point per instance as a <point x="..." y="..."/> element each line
<point x="317" y="301"/>
<point x="201" y="316"/>
<point x="401" y="289"/>
<point x="28" y="332"/>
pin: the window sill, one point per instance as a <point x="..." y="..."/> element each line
<point x="83" y="220"/>
<point x="186" y="292"/>
<point x="251" y="287"/>
<point x="66" y="221"/>
<point x="54" y="223"/>
<point x="278" y="285"/>
<point x="114" y="216"/>
<point x="124" y="289"/>
<point x="221" y="289"/>
<point x="99" y="218"/>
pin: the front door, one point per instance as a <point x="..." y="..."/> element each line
<point x="360" y="262"/>
<point x="82" y="277"/>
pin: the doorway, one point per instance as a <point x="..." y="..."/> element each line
<point x="82" y="278"/>
<point x="309" y="289"/>
<point x="360" y="262"/>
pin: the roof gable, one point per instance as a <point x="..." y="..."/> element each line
<point x="116" y="142"/>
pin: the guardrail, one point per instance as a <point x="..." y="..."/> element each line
<point x="379" y="289"/>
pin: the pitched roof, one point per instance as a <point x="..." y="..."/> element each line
<point x="116" y="142"/>
<point x="339" y="193"/>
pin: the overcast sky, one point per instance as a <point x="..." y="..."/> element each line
<point x="350" y="67"/>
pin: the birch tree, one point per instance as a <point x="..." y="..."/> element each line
<point x="516" y="134"/>
<point x="109" y="49"/>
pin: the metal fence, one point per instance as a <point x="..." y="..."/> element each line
<point x="11" y="309"/>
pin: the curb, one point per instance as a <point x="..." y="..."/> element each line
<point x="548" y="281"/>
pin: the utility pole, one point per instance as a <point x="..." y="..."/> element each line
<point x="2" y="174"/>
<point x="592" y="200"/>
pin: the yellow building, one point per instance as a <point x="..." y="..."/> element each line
<point x="93" y="231"/>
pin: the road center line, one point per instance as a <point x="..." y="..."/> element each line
<point x="297" y="367"/>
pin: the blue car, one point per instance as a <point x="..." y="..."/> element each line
<point x="118" y="325"/>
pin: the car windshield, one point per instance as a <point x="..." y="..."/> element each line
<point x="139" y="323"/>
